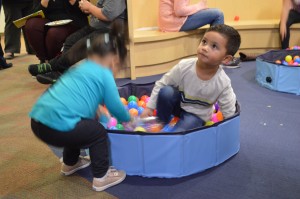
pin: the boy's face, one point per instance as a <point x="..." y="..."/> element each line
<point x="212" y="49"/>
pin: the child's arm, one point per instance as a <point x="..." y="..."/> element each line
<point x="172" y="78"/>
<point x="287" y="5"/>
<point x="112" y="100"/>
<point x="111" y="9"/>
<point x="183" y="9"/>
<point x="227" y="101"/>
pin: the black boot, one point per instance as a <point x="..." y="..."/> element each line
<point x="3" y="64"/>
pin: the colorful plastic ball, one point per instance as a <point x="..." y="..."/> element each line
<point x="288" y="58"/>
<point x="236" y="18"/>
<point x="132" y="98"/>
<point x="142" y="103"/>
<point x="132" y="104"/>
<point x="140" y="110"/>
<point x="120" y="127"/>
<point x="133" y="112"/>
<point x="209" y="123"/>
<point x="291" y="62"/>
<point x="174" y="121"/>
<point x="155" y="128"/>
<point x="219" y="116"/>
<point x="113" y="128"/>
<point x="297" y="60"/>
<point x="295" y="64"/>
<point x="278" y="62"/>
<point x="144" y="97"/>
<point x="147" y="99"/>
<point x="296" y="57"/>
<point x="216" y="107"/>
<point x="123" y="100"/>
<point x="112" y="122"/>
<point x="214" y="118"/>
<point x="154" y="112"/>
<point x="126" y="107"/>
<point x="139" y="128"/>
<point x="285" y="63"/>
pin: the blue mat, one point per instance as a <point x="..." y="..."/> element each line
<point x="267" y="166"/>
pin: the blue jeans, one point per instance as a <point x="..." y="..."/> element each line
<point x="210" y="16"/>
<point x="168" y="103"/>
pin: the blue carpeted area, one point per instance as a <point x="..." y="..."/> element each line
<point x="267" y="166"/>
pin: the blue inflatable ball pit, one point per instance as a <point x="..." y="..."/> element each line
<point x="172" y="155"/>
<point x="278" y="77"/>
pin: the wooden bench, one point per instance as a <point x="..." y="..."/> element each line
<point x="153" y="52"/>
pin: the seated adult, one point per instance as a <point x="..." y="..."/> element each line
<point x="178" y="15"/>
<point x="290" y="14"/>
<point x="47" y="41"/>
<point x="102" y="15"/>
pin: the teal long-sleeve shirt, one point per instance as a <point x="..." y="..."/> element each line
<point x="76" y="95"/>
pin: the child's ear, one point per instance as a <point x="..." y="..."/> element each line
<point x="227" y="59"/>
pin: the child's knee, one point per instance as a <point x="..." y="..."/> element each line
<point x="167" y="92"/>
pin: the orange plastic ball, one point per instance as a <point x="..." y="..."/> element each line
<point x="155" y="128"/>
<point x="144" y="97"/>
<point x="124" y="101"/>
<point x="133" y="112"/>
<point x="296" y="57"/>
<point x="142" y="103"/>
<point x="220" y="116"/>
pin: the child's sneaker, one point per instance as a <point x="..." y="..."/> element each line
<point x="81" y="164"/>
<point x="35" y="69"/>
<point x="111" y="178"/>
<point x="233" y="64"/>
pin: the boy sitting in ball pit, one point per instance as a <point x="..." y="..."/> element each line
<point x="191" y="88"/>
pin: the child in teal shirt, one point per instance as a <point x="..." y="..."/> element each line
<point x="65" y="115"/>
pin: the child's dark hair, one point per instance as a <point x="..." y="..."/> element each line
<point x="113" y="42"/>
<point x="232" y="35"/>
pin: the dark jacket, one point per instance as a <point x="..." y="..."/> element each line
<point x="62" y="9"/>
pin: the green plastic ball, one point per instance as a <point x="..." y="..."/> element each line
<point x="120" y="127"/>
<point x="132" y="98"/>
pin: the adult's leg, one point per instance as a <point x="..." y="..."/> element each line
<point x="210" y="16"/>
<point x="86" y="134"/>
<point x="11" y="32"/>
<point x="35" y="30"/>
<point x="188" y="121"/>
<point x="27" y="8"/>
<point x="168" y="103"/>
<point x="55" y="38"/>
<point x="67" y="59"/>
<point x="294" y="17"/>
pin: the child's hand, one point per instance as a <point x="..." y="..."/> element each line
<point x="102" y="111"/>
<point x="202" y="4"/>
<point x="85" y="6"/>
<point x="148" y="112"/>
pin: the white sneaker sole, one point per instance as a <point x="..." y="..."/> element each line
<point x="109" y="185"/>
<point x="74" y="170"/>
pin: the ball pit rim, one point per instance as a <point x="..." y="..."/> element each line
<point x="238" y="111"/>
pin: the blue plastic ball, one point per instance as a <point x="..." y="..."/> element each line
<point x="285" y="63"/>
<point x="132" y="104"/>
<point x="140" y="110"/>
<point x="297" y="60"/>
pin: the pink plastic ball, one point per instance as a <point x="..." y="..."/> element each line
<point x="112" y="122"/>
<point x="147" y="99"/>
<point x="214" y="118"/>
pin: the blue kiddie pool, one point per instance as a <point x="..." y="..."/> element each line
<point x="172" y="155"/>
<point x="278" y="77"/>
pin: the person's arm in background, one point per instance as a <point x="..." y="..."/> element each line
<point x="287" y="5"/>
<point x="183" y="9"/>
<point x="111" y="9"/>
